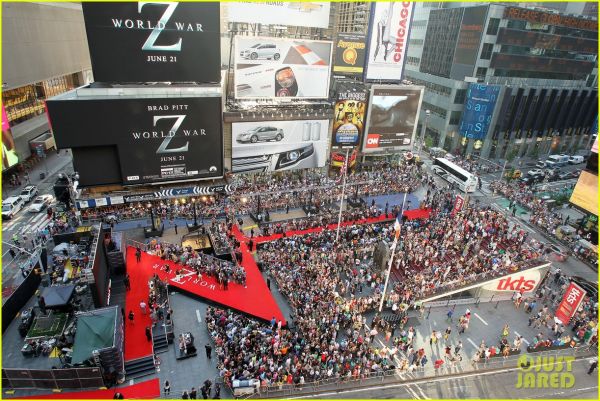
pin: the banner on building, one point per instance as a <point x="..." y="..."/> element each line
<point x="349" y="54"/>
<point x="281" y="68"/>
<point x="570" y="303"/>
<point x="154" y="42"/>
<point x="308" y="14"/>
<point x="349" y="115"/>
<point x="392" y="117"/>
<point x="9" y="151"/>
<point x="467" y="44"/>
<point x="144" y="140"/>
<point x="479" y="108"/>
<point x="388" y="40"/>
<point x="266" y="146"/>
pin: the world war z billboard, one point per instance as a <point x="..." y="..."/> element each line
<point x="154" y="41"/>
<point x="152" y="139"/>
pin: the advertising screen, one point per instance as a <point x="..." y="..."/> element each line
<point x="267" y="146"/>
<point x="272" y="68"/>
<point x="585" y="193"/>
<point x="467" y="45"/>
<point x="9" y="152"/>
<point x="311" y="14"/>
<point x="154" y="42"/>
<point x="349" y="54"/>
<point x="151" y="139"/>
<point x="349" y="116"/>
<point x="392" y="117"/>
<point x="388" y="40"/>
<point x="479" y="109"/>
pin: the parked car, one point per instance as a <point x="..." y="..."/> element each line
<point x="261" y="50"/>
<point x="557" y="160"/>
<point x="261" y="133"/>
<point x="540" y="164"/>
<point x="565" y="175"/>
<point x="536" y="172"/>
<point x="11" y="206"/>
<point x="575" y="159"/>
<point x="40" y="203"/>
<point x="29" y="192"/>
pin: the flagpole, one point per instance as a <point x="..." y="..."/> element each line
<point x="393" y="250"/>
<point x="337" y="233"/>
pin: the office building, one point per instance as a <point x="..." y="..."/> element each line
<point x="540" y="67"/>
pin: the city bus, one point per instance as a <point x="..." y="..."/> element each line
<point x="453" y="173"/>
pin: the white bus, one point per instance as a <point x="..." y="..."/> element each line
<point x="452" y="173"/>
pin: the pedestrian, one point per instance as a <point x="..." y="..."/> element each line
<point x="252" y="232"/>
<point x="42" y="304"/>
<point x="269" y="283"/>
<point x="148" y="333"/>
<point x="12" y="253"/>
<point x="193" y="393"/>
<point x="143" y="307"/>
<point x="185" y="395"/>
<point x="167" y="387"/>
<point x="204" y="393"/>
<point x="250" y="245"/>
<point x="449" y="315"/>
<point x="176" y="228"/>
<point x="593" y="366"/>
<point x="458" y="347"/>
<point x="217" y="392"/>
<point x="447" y="333"/>
<point x="138" y="254"/>
<point x="208" y="350"/>
<point x="131" y="316"/>
<point x="127" y="282"/>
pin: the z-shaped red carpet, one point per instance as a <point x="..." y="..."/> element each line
<point x="145" y="390"/>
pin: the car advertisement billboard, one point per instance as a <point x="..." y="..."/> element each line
<point x="392" y="117"/>
<point x="349" y="115"/>
<point x="349" y="54"/>
<point x="9" y="151"/>
<point x="309" y="14"/>
<point x="268" y="146"/>
<point x="479" y="108"/>
<point x="150" y="139"/>
<point x="388" y="40"/>
<point x="281" y="68"/>
<point x="154" y="41"/>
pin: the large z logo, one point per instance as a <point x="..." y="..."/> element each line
<point x="163" y="146"/>
<point x="162" y="23"/>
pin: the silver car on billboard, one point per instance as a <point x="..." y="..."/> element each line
<point x="279" y="158"/>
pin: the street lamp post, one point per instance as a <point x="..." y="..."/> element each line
<point x="423" y="129"/>
<point x="149" y="205"/>
<point x="195" y="215"/>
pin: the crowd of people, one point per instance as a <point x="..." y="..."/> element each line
<point x="225" y="272"/>
<point x="544" y="217"/>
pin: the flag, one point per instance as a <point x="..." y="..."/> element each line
<point x="397" y="225"/>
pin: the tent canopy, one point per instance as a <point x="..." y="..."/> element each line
<point x="95" y="331"/>
<point x="57" y="296"/>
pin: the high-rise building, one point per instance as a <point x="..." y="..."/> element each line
<point x="539" y="68"/>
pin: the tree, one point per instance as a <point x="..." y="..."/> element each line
<point x="511" y="155"/>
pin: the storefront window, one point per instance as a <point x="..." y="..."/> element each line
<point x="26" y="102"/>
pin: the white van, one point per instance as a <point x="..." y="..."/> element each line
<point x="575" y="159"/>
<point x="557" y="160"/>
<point x="11" y="206"/>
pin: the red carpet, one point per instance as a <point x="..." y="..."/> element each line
<point x="255" y="299"/>
<point x="272" y="237"/>
<point x="144" y="390"/>
<point x="136" y="344"/>
<point x="417" y="214"/>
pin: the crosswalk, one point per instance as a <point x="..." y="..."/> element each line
<point x="27" y="224"/>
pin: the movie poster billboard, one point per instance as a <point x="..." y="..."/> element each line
<point x="270" y="146"/>
<point x="350" y="111"/>
<point x="9" y="151"/>
<point x="150" y="140"/>
<point x="281" y="68"/>
<point x="479" y="109"/>
<point x="154" y="42"/>
<point x="388" y="40"/>
<point x="349" y="54"/>
<point x="309" y="14"/>
<point x="392" y="117"/>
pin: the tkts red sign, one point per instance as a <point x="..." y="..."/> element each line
<point x="570" y="303"/>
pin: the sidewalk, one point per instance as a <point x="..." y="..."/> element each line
<point x="50" y="166"/>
